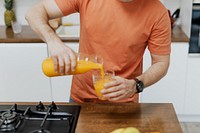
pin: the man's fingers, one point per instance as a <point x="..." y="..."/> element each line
<point x="55" y="63"/>
<point x="61" y="66"/>
<point x="67" y="65"/>
<point x="73" y="62"/>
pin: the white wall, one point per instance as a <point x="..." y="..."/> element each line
<point x="172" y="5"/>
<point x="20" y="8"/>
<point x="186" y="16"/>
<point x="2" y="9"/>
<point x="185" y="13"/>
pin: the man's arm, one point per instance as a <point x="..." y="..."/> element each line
<point x="159" y="42"/>
<point x="124" y="88"/>
<point x="38" y="17"/>
<point x="158" y="69"/>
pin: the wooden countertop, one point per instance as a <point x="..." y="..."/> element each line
<point x="178" y="35"/>
<point x="147" y="117"/>
<point x="28" y="36"/>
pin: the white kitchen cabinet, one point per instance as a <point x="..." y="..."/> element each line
<point x="61" y="85"/>
<point x="21" y="77"/>
<point x="192" y="95"/>
<point x="170" y="89"/>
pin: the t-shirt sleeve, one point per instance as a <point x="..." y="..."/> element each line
<point x="160" y="38"/>
<point x="68" y="6"/>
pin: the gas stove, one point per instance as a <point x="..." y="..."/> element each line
<point x="39" y="118"/>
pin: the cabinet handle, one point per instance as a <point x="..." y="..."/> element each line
<point x="194" y="55"/>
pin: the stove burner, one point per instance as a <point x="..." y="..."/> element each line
<point x="40" y="131"/>
<point x="8" y="117"/>
<point x="38" y="119"/>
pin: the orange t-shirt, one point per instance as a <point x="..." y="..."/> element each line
<point x="120" y="33"/>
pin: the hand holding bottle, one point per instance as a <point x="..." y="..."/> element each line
<point x="63" y="57"/>
<point x="84" y="63"/>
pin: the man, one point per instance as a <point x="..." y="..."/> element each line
<point x="119" y="31"/>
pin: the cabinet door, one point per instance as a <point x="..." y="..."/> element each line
<point x="170" y="89"/>
<point x="192" y="101"/>
<point x="21" y="77"/>
<point x="61" y="85"/>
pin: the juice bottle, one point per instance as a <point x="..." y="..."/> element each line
<point x="82" y="66"/>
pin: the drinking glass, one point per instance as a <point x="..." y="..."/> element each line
<point x="16" y="27"/>
<point x="99" y="80"/>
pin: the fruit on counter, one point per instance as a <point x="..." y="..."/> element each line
<point x="119" y="130"/>
<point x="131" y="130"/>
<point x="126" y="130"/>
<point x="9" y="14"/>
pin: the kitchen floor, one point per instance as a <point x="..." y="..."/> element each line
<point x="190" y="127"/>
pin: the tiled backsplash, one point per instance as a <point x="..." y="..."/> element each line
<point x="21" y="6"/>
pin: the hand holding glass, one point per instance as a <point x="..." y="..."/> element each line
<point x="99" y="81"/>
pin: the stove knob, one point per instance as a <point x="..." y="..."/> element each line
<point x="53" y="106"/>
<point x="40" y="106"/>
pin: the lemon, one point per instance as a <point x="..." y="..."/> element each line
<point x="131" y="130"/>
<point x="119" y="130"/>
<point x="126" y="130"/>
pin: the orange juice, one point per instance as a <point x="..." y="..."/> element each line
<point x="100" y="80"/>
<point x="82" y="66"/>
<point x="99" y="85"/>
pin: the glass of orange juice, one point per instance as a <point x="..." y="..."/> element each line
<point x="99" y="80"/>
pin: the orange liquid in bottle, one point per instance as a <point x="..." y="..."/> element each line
<point x="81" y="67"/>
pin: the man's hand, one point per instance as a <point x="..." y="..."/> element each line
<point x="38" y="18"/>
<point x="64" y="58"/>
<point x="119" y="89"/>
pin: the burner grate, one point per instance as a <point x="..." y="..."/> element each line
<point x="33" y="119"/>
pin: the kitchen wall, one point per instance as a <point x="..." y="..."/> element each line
<point x="186" y="16"/>
<point x="172" y="5"/>
<point x="21" y="6"/>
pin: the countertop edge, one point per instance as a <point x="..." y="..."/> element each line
<point x="29" y="36"/>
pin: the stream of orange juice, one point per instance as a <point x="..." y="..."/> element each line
<point x="81" y="67"/>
